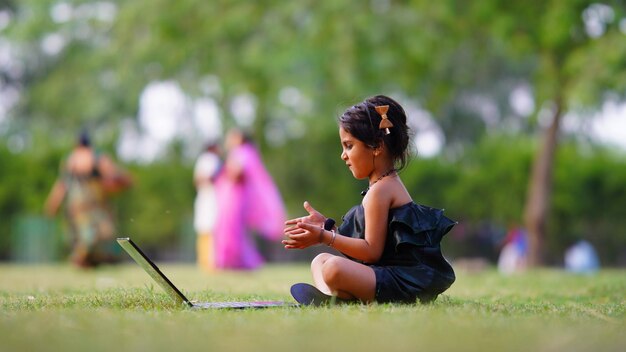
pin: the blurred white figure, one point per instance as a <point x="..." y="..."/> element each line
<point x="205" y="205"/>
<point x="581" y="258"/>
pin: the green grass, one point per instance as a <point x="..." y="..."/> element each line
<point x="61" y="308"/>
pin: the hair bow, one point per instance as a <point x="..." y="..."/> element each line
<point x="384" y="123"/>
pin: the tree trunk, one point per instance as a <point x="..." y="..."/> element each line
<point x="540" y="189"/>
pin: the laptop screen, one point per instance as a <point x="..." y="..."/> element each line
<point x="152" y="270"/>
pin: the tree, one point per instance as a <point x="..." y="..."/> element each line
<point x="577" y="48"/>
<point x="86" y="63"/>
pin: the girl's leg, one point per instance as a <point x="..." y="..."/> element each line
<point x="316" y="270"/>
<point x="343" y="277"/>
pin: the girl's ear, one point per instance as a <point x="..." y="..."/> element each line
<point x="379" y="148"/>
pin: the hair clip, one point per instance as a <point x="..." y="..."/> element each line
<point x="384" y="123"/>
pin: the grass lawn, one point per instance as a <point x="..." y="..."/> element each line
<point x="60" y="308"/>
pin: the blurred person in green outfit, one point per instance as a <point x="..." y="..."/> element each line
<point x="86" y="181"/>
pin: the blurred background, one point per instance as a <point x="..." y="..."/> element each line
<point x="518" y="110"/>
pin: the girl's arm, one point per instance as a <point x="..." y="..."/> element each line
<point x="376" y="205"/>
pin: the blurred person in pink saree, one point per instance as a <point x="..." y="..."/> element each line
<point x="249" y="202"/>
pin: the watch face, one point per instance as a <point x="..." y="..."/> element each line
<point x="329" y="224"/>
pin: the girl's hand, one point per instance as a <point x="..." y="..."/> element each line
<point x="303" y="235"/>
<point x="314" y="218"/>
<point x="304" y="231"/>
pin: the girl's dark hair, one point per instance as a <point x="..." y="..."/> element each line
<point x="362" y="122"/>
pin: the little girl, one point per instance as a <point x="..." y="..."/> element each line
<point x="391" y="244"/>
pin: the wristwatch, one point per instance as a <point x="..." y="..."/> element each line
<point x="329" y="224"/>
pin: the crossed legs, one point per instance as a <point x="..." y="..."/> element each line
<point x="334" y="275"/>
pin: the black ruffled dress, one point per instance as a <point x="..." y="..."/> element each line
<point x="411" y="266"/>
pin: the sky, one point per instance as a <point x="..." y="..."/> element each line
<point x="609" y="125"/>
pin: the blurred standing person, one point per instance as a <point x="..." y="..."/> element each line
<point x="249" y="201"/>
<point x="205" y="206"/>
<point x="86" y="180"/>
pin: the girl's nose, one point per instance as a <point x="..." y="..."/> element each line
<point x="344" y="156"/>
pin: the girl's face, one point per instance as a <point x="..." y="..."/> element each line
<point x="358" y="157"/>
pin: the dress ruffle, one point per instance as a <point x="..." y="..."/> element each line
<point x="418" y="225"/>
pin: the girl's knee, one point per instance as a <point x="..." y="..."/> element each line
<point x="332" y="270"/>
<point x="319" y="260"/>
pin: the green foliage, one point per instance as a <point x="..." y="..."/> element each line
<point x="157" y="209"/>
<point x="502" y="163"/>
<point x="552" y="35"/>
<point x="485" y="191"/>
<point x="333" y="52"/>
<point x="312" y="170"/>
<point x="485" y="187"/>
<point x="26" y="180"/>
<point x="587" y="182"/>
<point x="453" y="59"/>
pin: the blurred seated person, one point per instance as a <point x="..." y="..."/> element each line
<point x="581" y="258"/>
<point x="514" y="254"/>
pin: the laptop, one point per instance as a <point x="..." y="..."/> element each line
<point x="149" y="267"/>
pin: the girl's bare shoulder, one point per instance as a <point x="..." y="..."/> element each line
<point x="392" y="192"/>
<point x="381" y="194"/>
